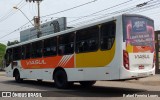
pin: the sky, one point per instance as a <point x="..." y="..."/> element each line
<point x="11" y="19"/>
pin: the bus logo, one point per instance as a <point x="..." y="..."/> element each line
<point x="36" y="62"/>
<point x="142" y="56"/>
<point x="139" y="25"/>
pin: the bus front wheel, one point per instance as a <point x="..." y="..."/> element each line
<point x="60" y="79"/>
<point x="87" y="83"/>
<point x="17" y="77"/>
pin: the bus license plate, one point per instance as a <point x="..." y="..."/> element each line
<point x="142" y="74"/>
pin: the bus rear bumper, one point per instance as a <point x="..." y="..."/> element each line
<point x="126" y="74"/>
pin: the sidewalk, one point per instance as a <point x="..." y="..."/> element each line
<point x="155" y="77"/>
<point x="2" y="73"/>
<point x="151" y="80"/>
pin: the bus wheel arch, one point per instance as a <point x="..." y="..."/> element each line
<point x="16" y="74"/>
<point x="60" y="78"/>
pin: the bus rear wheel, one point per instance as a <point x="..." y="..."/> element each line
<point x="17" y="77"/>
<point x="87" y="83"/>
<point x="60" y="79"/>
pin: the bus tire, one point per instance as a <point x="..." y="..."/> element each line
<point x="87" y="83"/>
<point x="17" y="77"/>
<point x="60" y="79"/>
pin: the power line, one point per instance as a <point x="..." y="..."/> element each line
<point x="56" y="13"/>
<point x="150" y="6"/>
<point x="112" y="13"/>
<point x="64" y="11"/>
<point x="8" y="34"/>
<point x="11" y="12"/>
<point x="20" y="2"/>
<point x="119" y="11"/>
<point x="6" y="15"/>
<point x="104" y="10"/>
<point x="32" y="11"/>
<point x="94" y="13"/>
<point x="101" y="10"/>
<point x="15" y="30"/>
<point x="71" y="8"/>
<point x="133" y="8"/>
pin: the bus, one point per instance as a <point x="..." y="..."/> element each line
<point x="117" y="48"/>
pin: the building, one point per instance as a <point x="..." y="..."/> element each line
<point x="157" y="46"/>
<point x="46" y="29"/>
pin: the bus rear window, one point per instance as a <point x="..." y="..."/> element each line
<point x="138" y="31"/>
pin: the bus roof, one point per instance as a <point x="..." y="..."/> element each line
<point x="74" y="29"/>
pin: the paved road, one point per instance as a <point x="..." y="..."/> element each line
<point x="101" y="88"/>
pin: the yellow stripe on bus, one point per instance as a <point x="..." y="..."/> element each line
<point x="95" y="59"/>
<point x="129" y="48"/>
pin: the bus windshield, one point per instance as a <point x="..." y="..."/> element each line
<point x="138" y="33"/>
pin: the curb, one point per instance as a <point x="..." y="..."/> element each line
<point x="151" y="80"/>
<point x="2" y="75"/>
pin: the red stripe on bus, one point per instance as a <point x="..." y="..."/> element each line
<point x="48" y="62"/>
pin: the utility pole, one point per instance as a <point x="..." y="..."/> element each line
<point x="37" y="18"/>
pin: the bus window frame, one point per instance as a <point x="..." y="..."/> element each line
<point x="49" y="39"/>
<point x="27" y="51"/>
<point x="68" y="43"/>
<point x="35" y="44"/>
<point x="23" y="52"/>
<point x="124" y="26"/>
<point x="15" y="58"/>
<point x="9" y="57"/>
<point x="113" y="37"/>
<point x="96" y="38"/>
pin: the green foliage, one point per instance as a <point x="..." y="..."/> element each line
<point x="12" y="43"/>
<point x="2" y="52"/>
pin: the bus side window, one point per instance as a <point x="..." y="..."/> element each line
<point x="17" y="53"/>
<point x="107" y="35"/>
<point x="66" y="44"/>
<point x="50" y="47"/>
<point x="27" y="53"/>
<point x="37" y="49"/>
<point x="23" y="52"/>
<point x="8" y="57"/>
<point x="87" y="39"/>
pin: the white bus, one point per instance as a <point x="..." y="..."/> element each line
<point x="120" y="47"/>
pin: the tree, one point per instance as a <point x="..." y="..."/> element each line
<point x="2" y="52"/>
<point x="12" y="43"/>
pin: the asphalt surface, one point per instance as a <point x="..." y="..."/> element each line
<point x="149" y="86"/>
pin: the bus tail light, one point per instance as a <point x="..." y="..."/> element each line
<point x="125" y="59"/>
